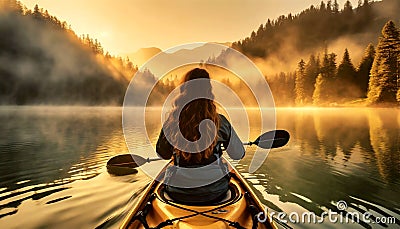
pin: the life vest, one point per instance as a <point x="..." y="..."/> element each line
<point x="198" y="183"/>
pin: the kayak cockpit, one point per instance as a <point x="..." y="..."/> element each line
<point x="229" y="196"/>
<point x="238" y="209"/>
<point x="234" y="211"/>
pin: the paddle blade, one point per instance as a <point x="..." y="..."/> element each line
<point x="124" y="164"/>
<point x="273" y="139"/>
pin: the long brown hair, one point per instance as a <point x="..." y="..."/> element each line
<point x="192" y="113"/>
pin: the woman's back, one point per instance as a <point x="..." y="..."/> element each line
<point x="226" y="133"/>
<point x="194" y="135"/>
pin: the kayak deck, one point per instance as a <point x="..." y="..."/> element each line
<point x="237" y="210"/>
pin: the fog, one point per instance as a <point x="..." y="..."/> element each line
<point x="43" y="63"/>
<point x="344" y="31"/>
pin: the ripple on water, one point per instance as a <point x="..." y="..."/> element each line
<point x="52" y="166"/>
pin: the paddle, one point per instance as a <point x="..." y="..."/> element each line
<point x="271" y="139"/>
<point x="127" y="163"/>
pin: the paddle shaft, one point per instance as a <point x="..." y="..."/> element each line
<point x="158" y="159"/>
<point x="134" y="163"/>
<point x="278" y="138"/>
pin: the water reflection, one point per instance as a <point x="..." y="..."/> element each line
<point x="44" y="149"/>
<point x="40" y="145"/>
<point x="385" y="141"/>
<point x="334" y="154"/>
<point x="52" y="161"/>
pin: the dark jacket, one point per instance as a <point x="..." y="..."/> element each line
<point x="226" y="134"/>
<point x="214" y="174"/>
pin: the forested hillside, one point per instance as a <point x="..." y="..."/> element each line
<point x="319" y="26"/>
<point x="299" y="54"/>
<point x="42" y="61"/>
<point x="327" y="55"/>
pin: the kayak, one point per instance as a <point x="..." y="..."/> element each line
<point x="239" y="209"/>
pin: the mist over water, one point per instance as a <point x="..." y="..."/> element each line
<point x="52" y="172"/>
<point x="53" y="164"/>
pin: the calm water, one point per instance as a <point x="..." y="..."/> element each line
<point x="52" y="165"/>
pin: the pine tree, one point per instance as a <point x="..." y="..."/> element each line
<point x="348" y="8"/>
<point x="335" y="7"/>
<point x="311" y="73"/>
<point x="329" y="6"/>
<point x="347" y="17"/>
<point x="346" y="78"/>
<point x="260" y="31"/>
<point x="322" y="7"/>
<point x="36" y="12"/>
<point x="364" y="14"/>
<point x="300" y="92"/>
<point x="325" y="89"/>
<point x="328" y="68"/>
<point x="321" y="86"/>
<point x="383" y="78"/>
<point x="365" y="68"/>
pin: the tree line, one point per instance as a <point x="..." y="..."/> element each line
<point x="311" y="29"/>
<point x="42" y="60"/>
<point x="321" y="81"/>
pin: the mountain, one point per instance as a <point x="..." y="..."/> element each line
<point x="189" y="53"/>
<point x="142" y="55"/>
<point x="163" y="73"/>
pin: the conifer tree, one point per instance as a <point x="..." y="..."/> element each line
<point x="364" y="69"/>
<point x="325" y="89"/>
<point x="383" y="77"/>
<point x="348" y="8"/>
<point x="335" y="7"/>
<point x="346" y="78"/>
<point x="322" y="6"/>
<point x="36" y="12"/>
<point x="311" y="73"/>
<point x="321" y="86"/>
<point x="300" y="92"/>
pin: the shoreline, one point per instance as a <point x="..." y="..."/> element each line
<point x="159" y="107"/>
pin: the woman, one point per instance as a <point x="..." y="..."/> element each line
<point x="189" y="136"/>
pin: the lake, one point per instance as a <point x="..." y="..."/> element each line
<point x="53" y="175"/>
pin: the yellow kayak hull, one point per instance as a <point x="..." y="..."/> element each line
<point x="156" y="208"/>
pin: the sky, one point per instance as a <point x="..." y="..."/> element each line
<point x="124" y="26"/>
